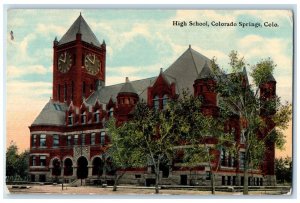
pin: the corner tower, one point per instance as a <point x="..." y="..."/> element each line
<point x="78" y="63"/>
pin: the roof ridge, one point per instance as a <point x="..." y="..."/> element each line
<point x="190" y="48"/>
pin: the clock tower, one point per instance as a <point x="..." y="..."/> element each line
<point x="78" y="64"/>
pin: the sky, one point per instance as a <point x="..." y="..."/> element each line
<point x="139" y="43"/>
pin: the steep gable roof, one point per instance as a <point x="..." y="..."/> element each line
<point x="51" y="114"/>
<point x="206" y="72"/>
<point x="80" y="26"/>
<point x="186" y="69"/>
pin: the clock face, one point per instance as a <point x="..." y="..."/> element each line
<point x="64" y="62"/>
<point x="92" y="64"/>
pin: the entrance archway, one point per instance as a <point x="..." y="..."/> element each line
<point x="56" y="171"/>
<point x="68" y="170"/>
<point x="97" y="167"/>
<point x="82" y="169"/>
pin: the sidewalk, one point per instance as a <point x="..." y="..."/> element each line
<point x="122" y="190"/>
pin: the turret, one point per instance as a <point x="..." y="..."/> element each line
<point x="126" y="101"/>
<point x="204" y="87"/>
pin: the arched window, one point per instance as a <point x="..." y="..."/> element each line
<point x="72" y="90"/>
<point x="165" y="101"/>
<point x="97" y="116"/>
<point x="83" y="118"/>
<point x="83" y="89"/>
<point x="70" y="119"/>
<point x="111" y="112"/>
<point x="58" y="92"/>
<point x="65" y="92"/>
<point x="156" y="102"/>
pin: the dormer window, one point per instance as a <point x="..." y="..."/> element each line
<point x="156" y="102"/>
<point x="70" y="120"/>
<point x="83" y="118"/>
<point x="97" y="116"/>
<point x="165" y="101"/>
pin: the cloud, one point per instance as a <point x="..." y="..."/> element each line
<point x="19" y="71"/>
<point x="17" y="91"/>
<point x="46" y="29"/>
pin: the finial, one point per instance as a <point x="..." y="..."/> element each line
<point x="161" y="70"/>
<point x="127" y="80"/>
<point x="190" y="46"/>
<point x="103" y="43"/>
<point x="80" y="14"/>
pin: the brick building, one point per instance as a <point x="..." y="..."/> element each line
<point x="68" y="137"/>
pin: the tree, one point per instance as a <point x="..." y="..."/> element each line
<point x="262" y="116"/>
<point x="155" y="133"/>
<point x="283" y="170"/>
<point x="17" y="165"/>
<point x="122" y="150"/>
<point x="12" y="160"/>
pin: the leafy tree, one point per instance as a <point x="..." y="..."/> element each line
<point x="12" y="160"/>
<point x="123" y="150"/>
<point x="283" y="170"/>
<point x="155" y="132"/>
<point x="261" y="119"/>
<point x="17" y="165"/>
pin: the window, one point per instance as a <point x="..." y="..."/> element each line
<point x="156" y="102"/>
<point x="65" y="92"/>
<point x="233" y="180"/>
<point x="102" y="138"/>
<point x="208" y="175"/>
<point x="55" y="140"/>
<point x="228" y="180"/>
<point x="223" y="157"/>
<point x="83" y="139"/>
<point x="57" y="107"/>
<point x="83" y="89"/>
<point x="33" y="163"/>
<point x="138" y="176"/>
<point x="165" y="101"/>
<point x="75" y="139"/>
<point x="242" y="159"/>
<point x="223" y="180"/>
<point x="93" y="138"/>
<point x="70" y="120"/>
<point x="42" y="140"/>
<point x="83" y="118"/>
<point x="42" y="160"/>
<point x="72" y="90"/>
<point x="97" y="116"/>
<point x="58" y="92"/>
<point x="69" y="140"/>
<point x="111" y="112"/>
<point x="33" y="141"/>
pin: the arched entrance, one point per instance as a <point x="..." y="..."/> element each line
<point x="68" y="170"/>
<point x="82" y="169"/>
<point x="56" y="171"/>
<point x="97" y="167"/>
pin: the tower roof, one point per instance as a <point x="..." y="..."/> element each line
<point x="127" y="87"/>
<point x="205" y="72"/>
<point x="270" y="78"/>
<point x="80" y="26"/>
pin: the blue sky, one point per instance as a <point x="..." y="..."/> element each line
<point x="139" y="43"/>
